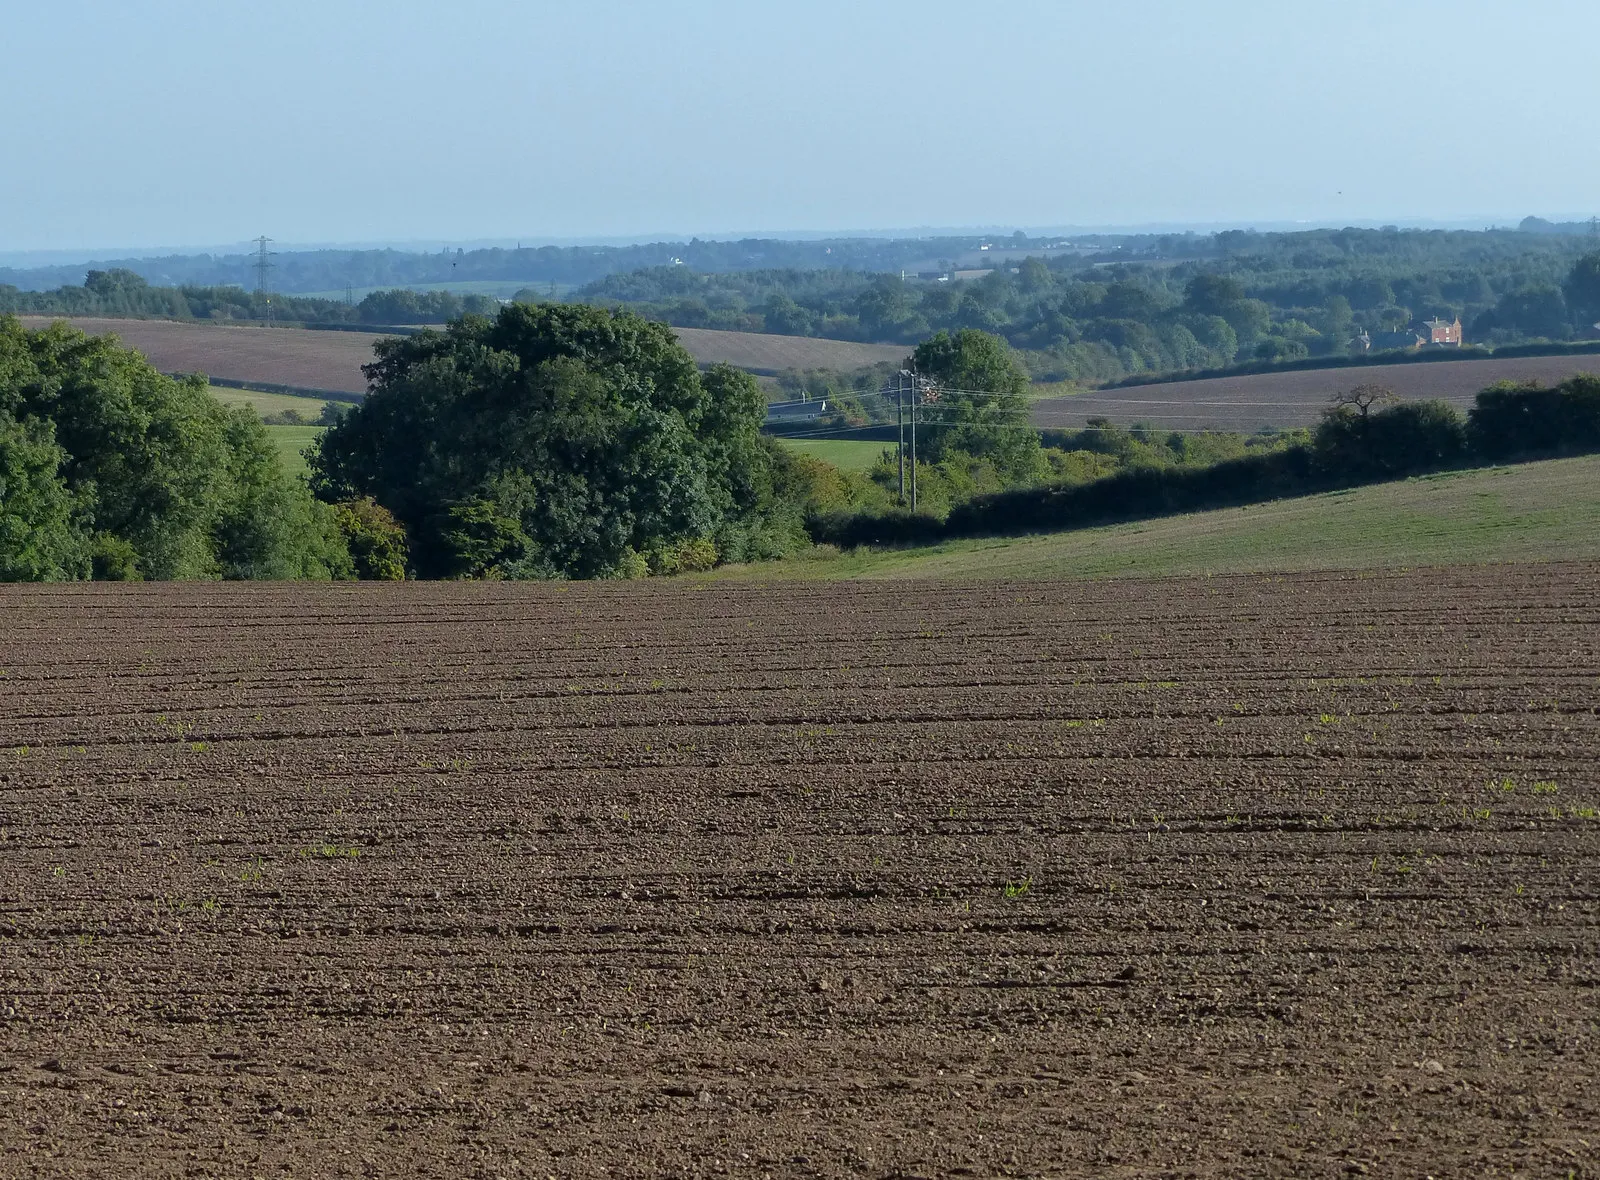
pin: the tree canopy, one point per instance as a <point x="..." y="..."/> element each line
<point x="981" y="407"/>
<point x="109" y="469"/>
<point x="559" y="440"/>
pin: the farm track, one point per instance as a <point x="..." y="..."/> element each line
<point x="662" y="878"/>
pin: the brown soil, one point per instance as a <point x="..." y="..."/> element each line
<point x="763" y="352"/>
<point x="272" y="356"/>
<point x="1291" y="876"/>
<point x="1283" y="400"/>
<point x="333" y="360"/>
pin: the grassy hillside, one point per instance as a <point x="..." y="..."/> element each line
<point x="269" y="403"/>
<point x="1530" y="512"/>
<point x="290" y="441"/>
<point x="847" y="454"/>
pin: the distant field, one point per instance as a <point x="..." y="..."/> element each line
<point x="269" y="403"/>
<point x="497" y="288"/>
<point x="290" y="441"/>
<point x="845" y="454"/>
<point x="333" y="360"/>
<point x="763" y="353"/>
<point x="1283" y="400"/>
<point x="272" y="356"/>
<point x="1530" y="512"/>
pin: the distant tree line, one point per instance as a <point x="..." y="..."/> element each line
<point x="332" y="270"/>
<point x="1104" y="309"/>
<point x="1255" y="297"/>
<point x="120" y="293"/>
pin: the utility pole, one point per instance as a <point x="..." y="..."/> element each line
<point x="900" y="421"/>
<point x="915" y="397"/>
<point x="263" y="264"/>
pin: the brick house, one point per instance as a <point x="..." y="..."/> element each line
<point x="1440" y="332"/>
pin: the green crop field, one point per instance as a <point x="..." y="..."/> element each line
<point x="1530" y="512"/>
<point x="290" y="441"/>
<point x="847" y="454"/>
<point x="309" y="408"/>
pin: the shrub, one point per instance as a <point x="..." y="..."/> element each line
<point x="1509" y="420"/>
<point x="690" y="555"/>
<point x="376" y="540"/>
<point x="1357" y="444"/>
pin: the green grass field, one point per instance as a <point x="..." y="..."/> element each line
<point x="309" y="408"/>
<point x="290" y="441"/>
<point x="1530" y="512"/>
<point x="847" y="454"/>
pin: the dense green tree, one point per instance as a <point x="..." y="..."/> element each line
<point x="981" y="406"/>
<point x="116" y="281"/>
<point x="1358" y="441"/>
<point x="1512" y="420"/>
<point x="1337" y="321"/>
<point x="1537" y="311"/>
<point x="1582" y="291"/>
<point x="40" y="539"/>
<point x="554" y="440"/>
<point x="267" y="527"/>
<point x="1211" y="294"/>
<point x="785" y="317"/>
<point x="117" y="471"/>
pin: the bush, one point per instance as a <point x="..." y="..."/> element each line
<point x="894" y="527"/>
<point x="1140" y="492"/>
<point x="690" y="555"/>
<point x="1510" y="420"/>
<point x="1355" y="444"/>
<point x="376" y="540"/>
<point x="286" y="418"/>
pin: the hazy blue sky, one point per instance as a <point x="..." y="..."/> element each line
<point x="145" y="123"/>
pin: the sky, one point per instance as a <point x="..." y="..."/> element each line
<point x="155" y="123"/>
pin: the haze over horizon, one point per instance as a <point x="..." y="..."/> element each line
<point x="401" y="122"/>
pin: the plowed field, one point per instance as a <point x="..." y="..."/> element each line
<point x="332" y="360"/>
<point x="273" y="356"/>
<point x="1285" y="400"/>
<point x="1291" y="876"/>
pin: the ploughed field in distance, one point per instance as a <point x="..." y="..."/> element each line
<point x="1284" y="876"/>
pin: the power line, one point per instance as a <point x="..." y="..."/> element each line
<point x="263" y="264"/>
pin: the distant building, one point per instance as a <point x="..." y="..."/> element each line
<point x="1406" y="338"/>
<point x="1432" y="334"/>
<point x="1442" y="333"/>
<point x="796" y="411"/>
